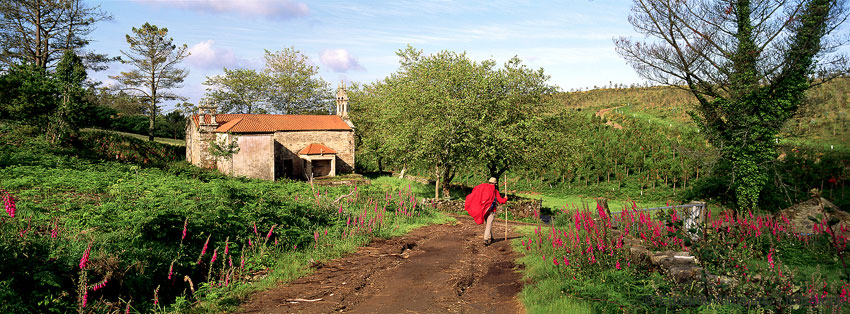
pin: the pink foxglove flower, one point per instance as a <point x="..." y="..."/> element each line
<point x="185" y="225"/>
<point x="85" y="259"/>
<point x="215" y="254"/>
<point x="770" y="258"/>
<point x="9" y="204"/>
<point x="204" y="250"/>
<point x="269" y="235"/>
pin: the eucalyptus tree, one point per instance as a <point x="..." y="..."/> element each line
<point x="747" y="63"/>
<point x="155" y="59"/>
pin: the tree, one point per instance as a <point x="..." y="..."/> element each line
<point x="296" y="86"/>
<point x="747" y="62"/>
<point x="39" y="31"/>
<point x="28" y="94"/>
<point x="449" y="113"/>
<point x="74" y="105"/>
<point x="241" y="91"/>
<point x="155" y="58"/>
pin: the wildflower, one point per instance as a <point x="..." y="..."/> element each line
<point x="127" y="309"/>
<point x="85" y="297"/>
<point x="156" y="296"/>
<point x="9" y="203"/>
<point x="100" y="285"/>
<point x="170" y="270"/>
<point x="85" y="258"/>
<point x="204" y="250"/>
<point x="618" y="265"/>
<point x="566" y="261"/>
<point x="226" y="248"/>
<point x="555" y="261"/>
<point x="215" y="254"/>
<point x="255" y="230"/>
<point x="269" y="235"/>
<point x="185" y="224"/>
<point x="770" y="258"/>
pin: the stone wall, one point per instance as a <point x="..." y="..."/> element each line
<point x="289" y="143"/>
<point x="255" y="158"/>
<point x="198" y="143"/>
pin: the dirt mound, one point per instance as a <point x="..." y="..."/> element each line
<point x="434" y="269"/>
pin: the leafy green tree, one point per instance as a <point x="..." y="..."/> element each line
<point x="155" y="58"/>
<point x="295" y="83"/>
<point x="241" y="91"/>
<point x="28" y="94"/>
<point x="40" y="31"/>
<point x="748" y="64"/>
<point x="74" y="105"/>
<point x="448" y="113"/>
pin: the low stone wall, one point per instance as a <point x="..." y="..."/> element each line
<point x="517" y="207"/>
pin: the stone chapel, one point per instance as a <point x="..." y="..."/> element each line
<point x="274" y="146"/>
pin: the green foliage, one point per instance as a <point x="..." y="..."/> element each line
<point x="74" y="109"/>
<point x="241" y="91"/>
<point x="296" y="87"/>
<point x="28" y="94"/>
<point x="132" y="213"/>
<point x="449" y="113"/>
<point x="748" y="79"/>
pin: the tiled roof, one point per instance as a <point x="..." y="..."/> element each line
<point x="263" y="123"/>
<point x="316" y="149"/>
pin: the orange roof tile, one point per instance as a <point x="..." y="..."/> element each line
<point x="265" y="123"/>
<point x="316" y="149"/>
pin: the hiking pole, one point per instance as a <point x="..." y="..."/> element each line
<point x="506" y="207"/>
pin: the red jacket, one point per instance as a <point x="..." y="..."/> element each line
<point x="480" y="200"/>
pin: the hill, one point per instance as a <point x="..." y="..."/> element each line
<point x="824" y="120"/>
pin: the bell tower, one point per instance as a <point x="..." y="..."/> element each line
<point x="342" y="101"/>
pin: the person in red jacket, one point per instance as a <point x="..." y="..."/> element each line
<point x="481" y="205"/>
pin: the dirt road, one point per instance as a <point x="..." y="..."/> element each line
<point x="434" y="269"/>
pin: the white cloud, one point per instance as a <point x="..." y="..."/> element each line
<point x="205" y="55"/>
<point x="340" y="60"/>
<point x="272" y="9"/>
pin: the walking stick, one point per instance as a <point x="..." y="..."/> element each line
<point x="506" y="207"/>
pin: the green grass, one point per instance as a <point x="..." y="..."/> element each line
<point x="169" y="141"/>
<point x="557" y="202"/>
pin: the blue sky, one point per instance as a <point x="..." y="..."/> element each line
<point x="357" y="40"/>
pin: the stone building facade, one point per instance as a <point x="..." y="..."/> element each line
<point x="274" y="146"/>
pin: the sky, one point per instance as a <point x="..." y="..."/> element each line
<point x="356" y="41"/>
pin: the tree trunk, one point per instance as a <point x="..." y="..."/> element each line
<point x="437" y="182"/>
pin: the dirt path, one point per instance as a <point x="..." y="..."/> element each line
<point x="603" y="112"/>
<point x="434" y="269"/>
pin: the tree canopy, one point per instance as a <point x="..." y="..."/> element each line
<point x="156" y="59"/>
<point x="289" y="84"/>
<point x="447" y="112"/>
<point x="39" y="32"/>
<point x="747" y="62"/>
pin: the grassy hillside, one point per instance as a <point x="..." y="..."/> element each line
<point x="164" y="140"/>
<point x="824" y="120"/>
<point x="116" y="223"/>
